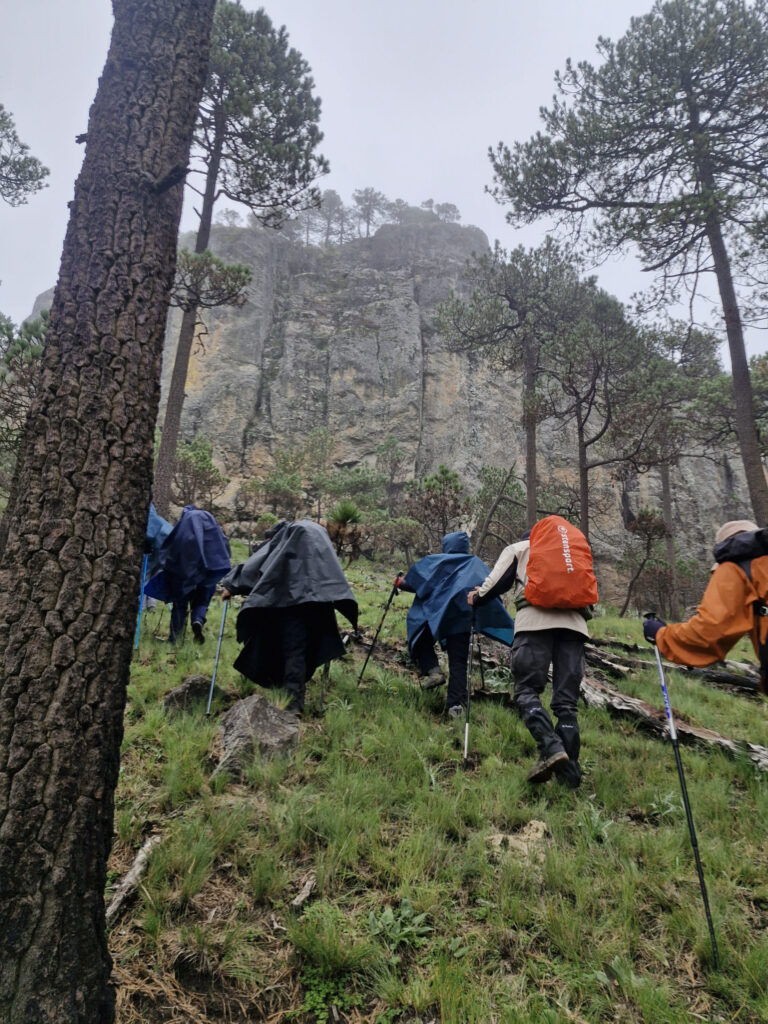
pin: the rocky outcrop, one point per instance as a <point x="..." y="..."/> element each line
<point x="344" y="338"/>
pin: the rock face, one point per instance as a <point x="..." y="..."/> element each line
<point x="343" y="338"/>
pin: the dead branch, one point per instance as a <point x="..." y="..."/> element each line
<point x="131" y="881"/>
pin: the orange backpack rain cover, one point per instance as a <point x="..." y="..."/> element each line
<point x="560" y="573"/>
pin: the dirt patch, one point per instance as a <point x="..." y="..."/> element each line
<point x="529" y="843"/>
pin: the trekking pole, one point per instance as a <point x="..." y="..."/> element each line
<point x="141" y="599"/>
<point x="480" y="662"/>
<point x="689" y="816"/>
<point x="469" y="686"/>
<point x="216" y="662"/>
<point x="376" y="637"/>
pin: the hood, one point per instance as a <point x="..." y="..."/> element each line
<point x="456" y="543"/>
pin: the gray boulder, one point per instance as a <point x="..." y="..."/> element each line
<point x="253" y="727"/>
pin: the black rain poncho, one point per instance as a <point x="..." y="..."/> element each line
<point x="298" y="566"/>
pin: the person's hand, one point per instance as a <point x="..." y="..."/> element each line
<point x="398" y="580"/>
<point x="471" y="596"/>
<point x="225" y="595"/>
<point x="651" y="626"/>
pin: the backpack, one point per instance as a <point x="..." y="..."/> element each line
<point x="560" y="573"/>
<point x="742" y="548"/>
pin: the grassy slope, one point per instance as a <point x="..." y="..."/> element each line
<point x="419" y="913"/>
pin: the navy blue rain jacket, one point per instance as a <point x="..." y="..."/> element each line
<point x="196" y="552"/>
<point x="441" y="584"/>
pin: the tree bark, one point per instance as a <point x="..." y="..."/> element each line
<point x="74" y="533"/>
<point x="169" y="439"/>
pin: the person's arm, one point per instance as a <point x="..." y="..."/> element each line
<point x="499" y="580"/>
<point x="400" y="584"/>
<point x="725" y="614"/>
<point x="231" y="583"/>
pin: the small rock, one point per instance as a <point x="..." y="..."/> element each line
<point x="191" y="691"/>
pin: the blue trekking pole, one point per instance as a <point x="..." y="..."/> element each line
<point x="216" y="662"/>
<point x="689" y="816"/>
<point x="141" y="599"/>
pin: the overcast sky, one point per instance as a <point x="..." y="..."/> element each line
<point x="413" y="93"/>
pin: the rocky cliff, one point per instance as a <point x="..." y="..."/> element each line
<point x="343" y="338"/>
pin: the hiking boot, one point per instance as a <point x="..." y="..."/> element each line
<point x="433" y="678"/>
<point x="295" y="708"/>
<point x="569" y="774"/>
<point x="542" y="770"/>
<point x="456" y="711"/>
<point x="551" y="749"/>
<point x="197" y="630"/>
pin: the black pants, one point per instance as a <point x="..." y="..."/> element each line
<point x="294" y="637"/>
<point x="532" y="654"/>
<point x="457" y="648"/>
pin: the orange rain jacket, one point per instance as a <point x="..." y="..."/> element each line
<point x="726" y="613"/>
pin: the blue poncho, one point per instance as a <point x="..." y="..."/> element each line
<point x="196" y="552"/>
<point x="441" y="584"/>
<point x="157" y="530"/>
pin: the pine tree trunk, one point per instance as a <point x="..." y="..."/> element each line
<point x="74" y="534"/>
<point x="169" y="439"/>
<point x="583" y="477"/>
<point x="742" y="385"/>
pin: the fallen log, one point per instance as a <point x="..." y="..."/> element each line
<point x="746" y="684"/>
<point x="598" y="695"/>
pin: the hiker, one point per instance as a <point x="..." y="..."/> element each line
<point x="192" y="559"/>
<point x="735" y="603"/>
<point x="157" y="530"/>
<point x="439" y="614"/>
<point x="287" y="623"/>
<point x="547" y="635"/>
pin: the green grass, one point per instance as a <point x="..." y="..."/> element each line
<point x="599" y="921"/>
